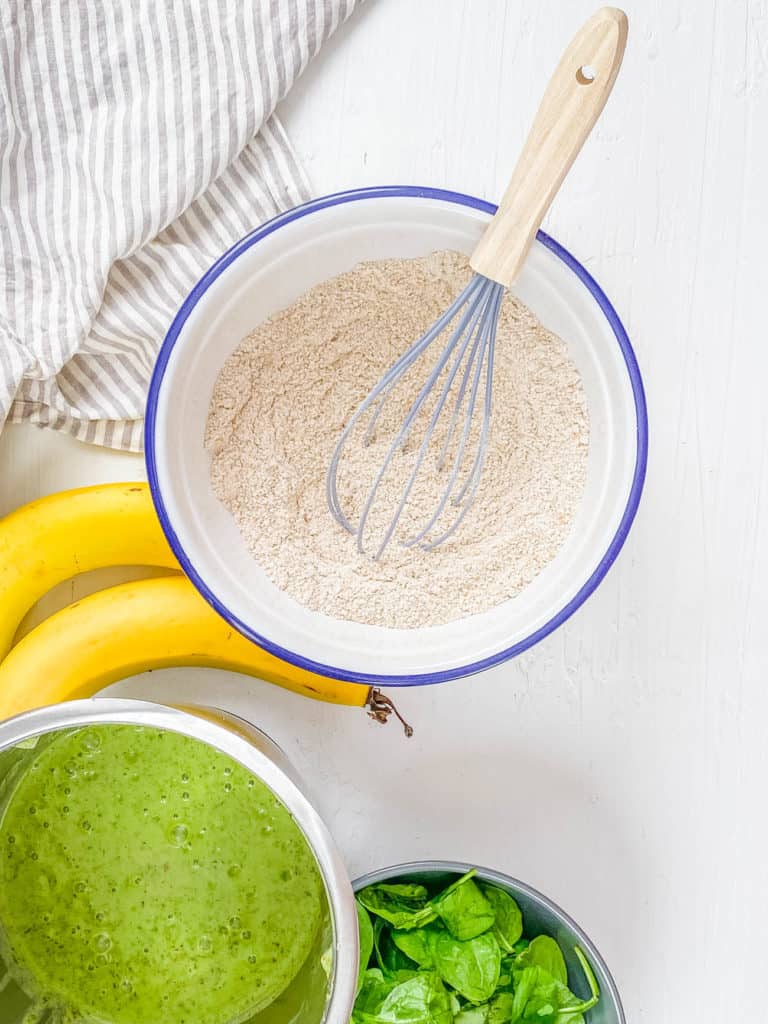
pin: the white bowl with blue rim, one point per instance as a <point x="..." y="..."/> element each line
<point x="267" y="271"/>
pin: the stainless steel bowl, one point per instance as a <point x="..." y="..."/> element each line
<point x="541" y="916"/>
<point x="323" y="999"/>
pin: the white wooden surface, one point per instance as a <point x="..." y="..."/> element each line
<point x="620" y="766"/>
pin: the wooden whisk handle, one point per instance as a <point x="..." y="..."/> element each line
<point x="575" y="96"/>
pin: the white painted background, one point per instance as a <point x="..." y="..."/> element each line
<point x="621" y="766"/>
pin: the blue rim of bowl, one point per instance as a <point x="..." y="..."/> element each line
<point x="427" y="678"/>
<point x="499" y="878"/>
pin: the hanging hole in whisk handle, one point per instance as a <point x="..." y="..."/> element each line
<point x="586" y="74"/>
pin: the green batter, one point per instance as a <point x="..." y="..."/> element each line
<point x="146" y="877"/>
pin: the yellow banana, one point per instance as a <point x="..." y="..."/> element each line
<point x="146" y="624"/>
<point x="57" y="537"/>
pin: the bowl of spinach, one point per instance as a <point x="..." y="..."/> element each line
<point x="448" y="943"/>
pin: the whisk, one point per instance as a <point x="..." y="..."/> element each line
<point x="460" y="382"/>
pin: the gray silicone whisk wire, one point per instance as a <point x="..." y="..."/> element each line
<point x="469" y="348"/>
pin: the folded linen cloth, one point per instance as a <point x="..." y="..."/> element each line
<point x="137" y="143"/>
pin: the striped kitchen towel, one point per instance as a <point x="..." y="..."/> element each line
<point x="138" y="141"/>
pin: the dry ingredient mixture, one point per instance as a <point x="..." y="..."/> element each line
<point x="283" y="397"/>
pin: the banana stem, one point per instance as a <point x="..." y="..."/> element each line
<point x="380" y="707"/>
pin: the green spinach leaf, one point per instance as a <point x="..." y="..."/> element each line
<point x="501" y="1009"/>
<point x="508" y="923"/>
<point x="472" y="873"/>
<point x="540" y="998"/>
<point x="549" y="1001"/>
<point x="403" y="906"/>
<point x="374" y="989"/>
<point x="544" y="952"/>
<point x="470" y="967"/>
<point x="404" y="890"/>
<point x="422" y="999"/>
<point x="526" y="982"/>
<point x="464" y="911"/>
<point x="365" y="930"/>
<point x="388" y="957"/>
<point x="415" y="945"/>
<point x="398" y="977"/>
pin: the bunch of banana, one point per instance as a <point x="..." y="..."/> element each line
<point x="126" y="629"/>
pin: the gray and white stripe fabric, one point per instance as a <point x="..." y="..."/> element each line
<point x="138" y="141"/>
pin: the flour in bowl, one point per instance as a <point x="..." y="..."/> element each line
<point x="283" y="397"/>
